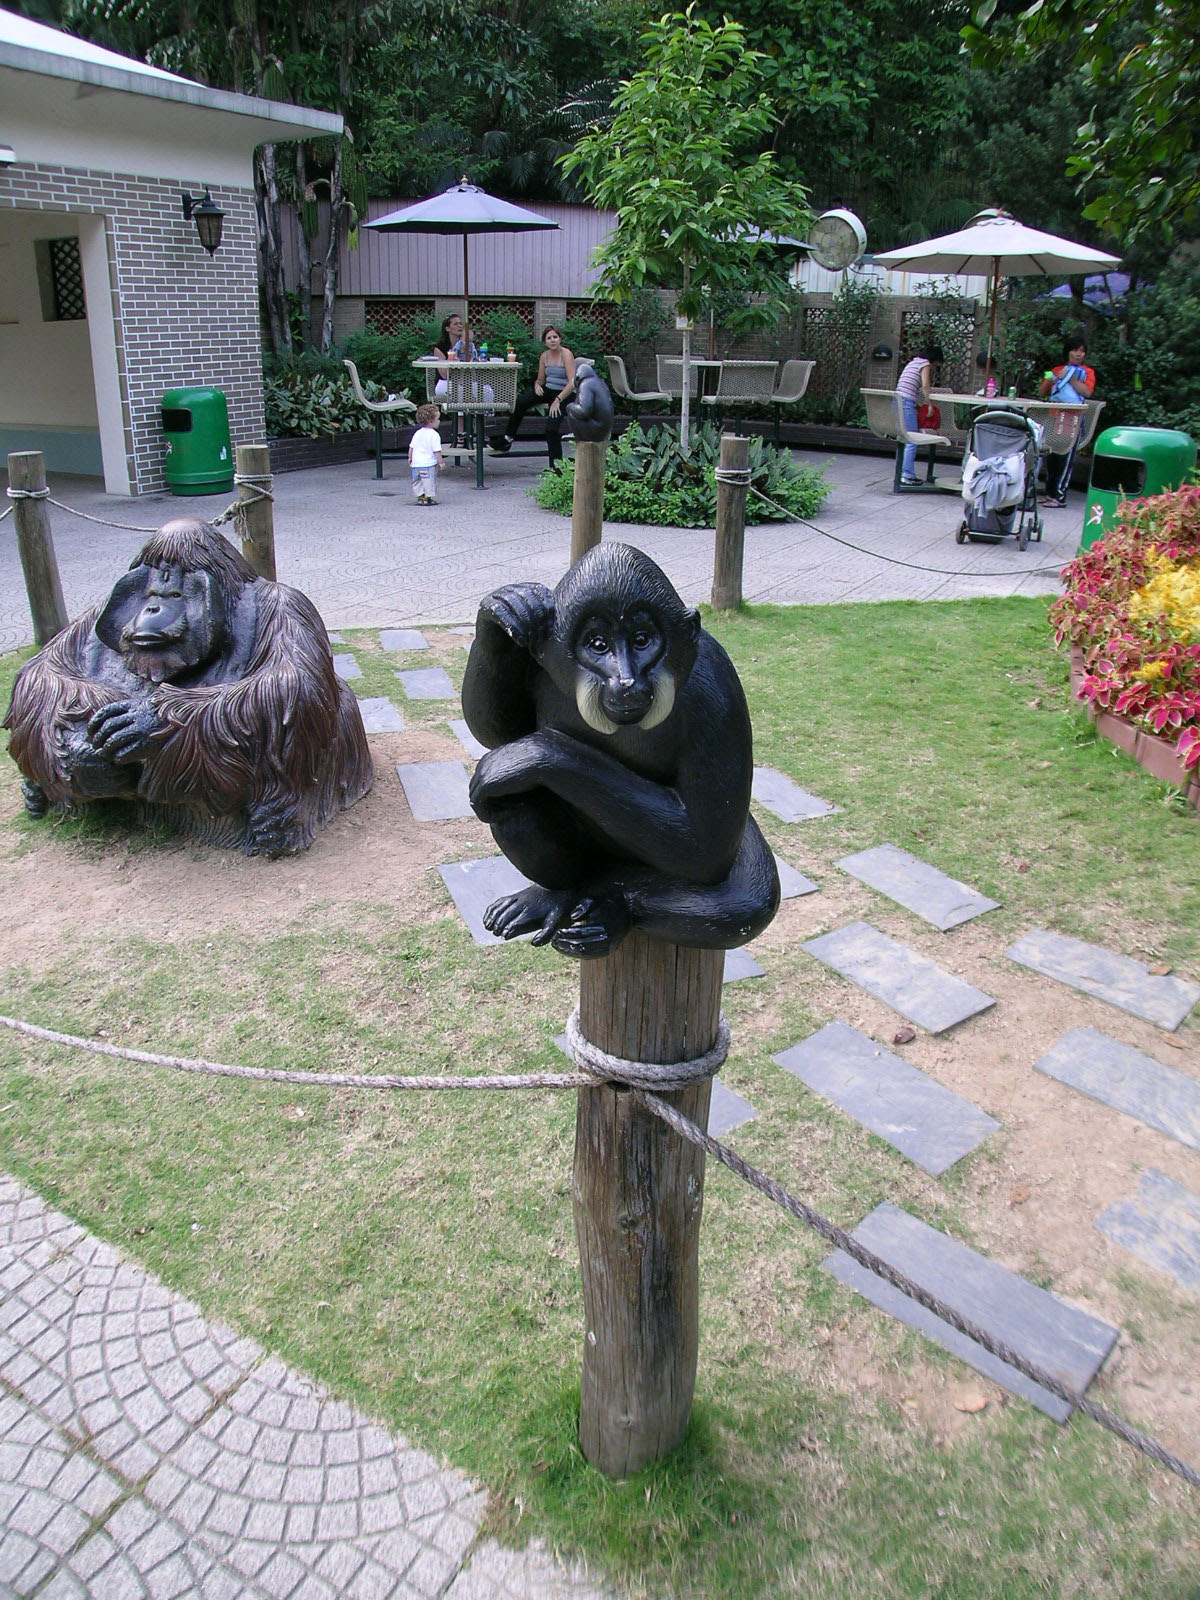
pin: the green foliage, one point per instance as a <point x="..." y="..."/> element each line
<point x="649" y="479"/>
<point x="1139" y="157"/>
<point x="948" y="319"/>
<point x="683" y="168"/>
<point x="303" y="404"/>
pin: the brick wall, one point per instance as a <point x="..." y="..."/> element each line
<point x="182" y="317"/>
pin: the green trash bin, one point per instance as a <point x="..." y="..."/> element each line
<point x="1128" y="464"/>
<point x="199" y="451"/>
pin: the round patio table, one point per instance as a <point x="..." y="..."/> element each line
<point x="465" y="393"/>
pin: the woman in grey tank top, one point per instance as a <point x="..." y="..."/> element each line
<point x="553" y="387"/>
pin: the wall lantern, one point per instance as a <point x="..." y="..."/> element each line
<point x="881" y="352"/>
<point x="208" y="217"/>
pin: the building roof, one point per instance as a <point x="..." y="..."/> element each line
<point x="31" y="47"/>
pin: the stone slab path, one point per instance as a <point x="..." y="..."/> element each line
<point x="402" y="639"/>
<point x="1063" y="1339"/>
<point x="741" y="964"/>
<point x="1160" y="1223"/>
<point x="435" y="790"/>
<point x="346" y="667"/>
<point x="473" y="885"/>
<point x="925" y="1121"/>
<point x="917" y="886"/>
<point x="1120" y="980"/>
<point x="1128" y="1080"/>
<point x="147" y="1452"/>
<point x="380" y="715"/>
<point x="727" y="1110"/>
<point x="785" y="798"/>
<point x="428" y="683"/>
<point x="912" y="984"/>
<point x="466" y="738"/>
<point x="793" y="884"/>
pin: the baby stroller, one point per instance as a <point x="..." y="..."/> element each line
<point x="1000" y="479"/>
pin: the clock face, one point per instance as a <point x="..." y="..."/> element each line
<point x="836" y="239"/>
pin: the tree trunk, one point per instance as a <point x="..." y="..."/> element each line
<point x="271" y="253"/>
<point x="685" y="404"/>
<point x="329" y="296"/>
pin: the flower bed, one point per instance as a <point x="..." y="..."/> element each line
<point x="1131" y="609"/>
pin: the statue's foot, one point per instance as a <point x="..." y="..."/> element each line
<point x="37" y="802"/>
<point x="534" y="910"/>
<point x="596" y="928"/>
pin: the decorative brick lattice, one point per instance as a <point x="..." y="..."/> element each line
<point x="66" y="272"/>
<point x="602" y="313"/>
<point x="839" y="347"/>
<point x="482" y="309"/>
<point x="396" y="316"/>
<point x="954" y="331"/>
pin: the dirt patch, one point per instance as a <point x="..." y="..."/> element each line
<point x="1028" y="1198"/>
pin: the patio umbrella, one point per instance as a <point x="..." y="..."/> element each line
<point x="1001" y="247"/>
<point x="463" y="209"/>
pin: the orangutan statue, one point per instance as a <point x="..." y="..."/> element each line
<point x="202" y="692"/>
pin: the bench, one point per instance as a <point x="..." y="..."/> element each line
<point x="393" y="405"/>
<point x="886" y="421"/>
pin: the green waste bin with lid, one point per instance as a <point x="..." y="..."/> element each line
<point x="195" y="423"/>
<point x="1128" y="464"/>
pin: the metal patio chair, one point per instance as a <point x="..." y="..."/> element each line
<point x="791" y="388"/>
<point x="742" y="383"/>
<point x="618" y="382"/>
<point x="396" y="405"/>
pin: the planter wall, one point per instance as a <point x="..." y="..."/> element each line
<point x="1155" y="754"/>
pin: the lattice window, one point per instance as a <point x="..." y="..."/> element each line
<point x="518" y="308"/>
<point x="838" y="343"/>
<point x="66" y="280"/>
<point x="600" y="312"/>
<point x="396" y="316"/>
<point x="954" y="330"/>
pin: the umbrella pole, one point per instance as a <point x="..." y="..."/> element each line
<point x="466" y="301"/>
<point x="987" y="371"/>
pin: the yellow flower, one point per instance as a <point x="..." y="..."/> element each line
<point x="1147" y="674"/>
<point x="1172" y="593"/>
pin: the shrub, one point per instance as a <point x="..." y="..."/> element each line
<point x="303" y="405"/>
<point x="648" y="479"/>
<point x="1132" y="604"/>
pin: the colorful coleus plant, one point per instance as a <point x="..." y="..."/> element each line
<point x="1131" y="603"/>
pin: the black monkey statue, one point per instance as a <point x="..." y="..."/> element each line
<point x="619" y="773"/>
<point x="200" y="691"/>
<point x="590" y="414"/>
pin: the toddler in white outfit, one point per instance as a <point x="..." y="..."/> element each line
<point x="425" y="455"/>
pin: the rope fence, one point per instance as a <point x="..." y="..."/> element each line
<point x="251" y="481"/>
<point x="639" y="1078"/>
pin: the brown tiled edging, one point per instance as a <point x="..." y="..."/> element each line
<point x="1156" y="755"/>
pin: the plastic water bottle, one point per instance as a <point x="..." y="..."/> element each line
<point x="991" y="388"/>
<point x="483" y="355"/>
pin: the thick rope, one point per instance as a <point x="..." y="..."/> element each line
<point x="600" y="1066"/>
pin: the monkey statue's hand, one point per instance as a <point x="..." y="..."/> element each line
<point x="270" y="831"/>
<point x="524" y="611"/>
<point x="126" y="730"/>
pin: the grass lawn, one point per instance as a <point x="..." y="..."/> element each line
<point x="417" y="1252"/>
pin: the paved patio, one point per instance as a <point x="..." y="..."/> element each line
<point x="366" y="554"/>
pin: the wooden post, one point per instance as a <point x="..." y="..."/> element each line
<point x="638" y="1193"/>
<point x="253" y="461"/>
<point x="27" y="470"/>
<point x="731" y="525"/>
<point x="587" y="507"/>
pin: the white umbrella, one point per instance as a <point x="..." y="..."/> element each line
<point x="463" y="209"/>
<point x="1001" y="247"/>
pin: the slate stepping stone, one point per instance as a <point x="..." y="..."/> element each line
<point x="402" y="639"/>
<point x="792" y="884"/>
<point x="728" y="1110"/>
<point x="917" y="886"/>
<point x="1127" y="1080"/>
<point x="466" y="738"/>
<point x="1160" y="1224"/>
<point x="915" y="986"/>
<point x="346" y="667"/>
<point x="741" y="964"/>
<point x="787" y="800"/>
<point x="1120" y="980"/>
<point x="435" y="790"/>
<point x="335" y="638"/>
<point x="427" y="683"/>
<point x="1063" y="1340"/>
<point x="473" y="885"/>
<point x="380" y="715"/>
<point x="928" y="1123"/>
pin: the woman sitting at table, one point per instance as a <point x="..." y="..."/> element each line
<point x="451" y="346"/>
<point x="553" y="387"/>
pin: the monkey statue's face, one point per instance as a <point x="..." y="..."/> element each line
<point x="622" y="679"/>
<point x="170" y="622"/>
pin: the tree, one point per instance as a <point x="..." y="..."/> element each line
<point x="1139" y="157"/>
<point x="683" y="166"/>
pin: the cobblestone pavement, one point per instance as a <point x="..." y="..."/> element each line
<point x="367" y="555"/>
<point x="146" y="1452"/>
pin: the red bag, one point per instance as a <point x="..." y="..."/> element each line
<point x="929" y="418"/>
